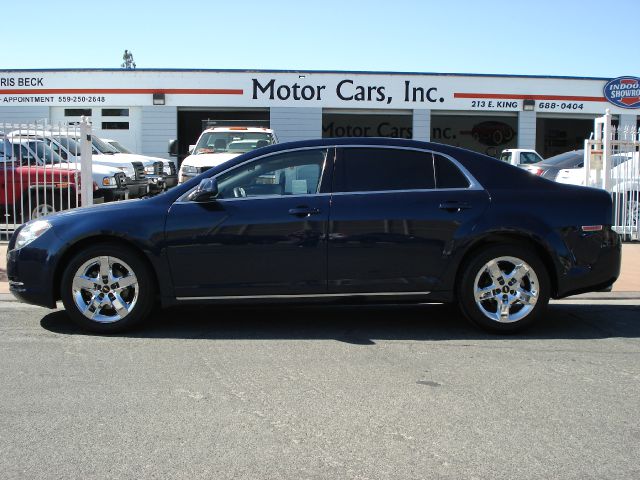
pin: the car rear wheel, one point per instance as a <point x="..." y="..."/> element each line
<point x="504" y="288"/>
<point x="107" y="289"/>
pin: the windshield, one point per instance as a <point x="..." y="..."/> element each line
<point x="44" y="153"/>
<point x="72" y="146"/>
<point x="505" y="156"/>
<point x="118" y="146"/>
<point x="103" y="147"/>
<point x="232" y="142"/>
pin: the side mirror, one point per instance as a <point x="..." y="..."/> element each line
<point x="207" y="191"/>
<point x="191" y="149"/>
<point x="173" y="148"/>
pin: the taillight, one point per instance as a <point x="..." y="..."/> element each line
<point x="538" y="171"/>
<point x="95" y="186"/>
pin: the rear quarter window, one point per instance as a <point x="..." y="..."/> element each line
<point x="448" y="175"/>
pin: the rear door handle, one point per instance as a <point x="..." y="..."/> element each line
<point x="304" y="211"/>
<point x="453" y="206"/>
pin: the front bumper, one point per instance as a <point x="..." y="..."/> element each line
<point x="30" y="272"/>
<point x="113" y="194"/>
<point x="156" y="184"/>
<point x="170" y="181"/>
<point x="137" y="187"/>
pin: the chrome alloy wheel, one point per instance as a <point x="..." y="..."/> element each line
<point x="105" y="289"/>
<point x="506" y="289"/>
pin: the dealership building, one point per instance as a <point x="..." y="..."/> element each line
<point x="145" y="108"/>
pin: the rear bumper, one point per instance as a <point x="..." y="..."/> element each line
<point x="595" y="265"/>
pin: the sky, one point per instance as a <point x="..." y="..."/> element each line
<point x="542" y="37"/>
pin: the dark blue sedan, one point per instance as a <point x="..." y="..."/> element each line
<point x="379" y="220"/>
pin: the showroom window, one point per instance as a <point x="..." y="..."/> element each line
<point x="559" y="135"/>
<point x="115" y="125"/>
<point x="77" y="112"/>
<point x="382" y="169"/>
<point x="115" y="112"/>
<point x="374" y="123"/>
<point x="488" y="134"/>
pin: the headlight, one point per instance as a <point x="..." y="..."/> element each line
<point x="108" y="181"/>
<point x="189" y="169"/>
<point x="31" y="231"/>
<point x="149" y="169"/>
<point x="128" y="171"/>
<point x="167" y="169"/>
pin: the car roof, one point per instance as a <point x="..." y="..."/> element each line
<point x="238" y="129"/>
<point x="564" y="160"/>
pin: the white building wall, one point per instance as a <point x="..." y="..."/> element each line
<point x="159" y="125"/>
<point x="296" y="123"/>
<point x="422" y="125"/>
<point x="527" y="129"/>
<point x="23" y="114"/>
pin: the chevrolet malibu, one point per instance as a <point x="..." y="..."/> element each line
<point x="332" y="220"/>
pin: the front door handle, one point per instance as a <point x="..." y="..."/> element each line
<point x="453" y="206"/>
<point x="304" y="211"/>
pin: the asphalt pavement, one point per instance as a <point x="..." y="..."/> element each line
<point x="398" y="392"/>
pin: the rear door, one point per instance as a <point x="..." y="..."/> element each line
<point x="395" y="213"/>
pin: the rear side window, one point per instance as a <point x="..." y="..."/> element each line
<point x="448" y="175"/>
<point x="382" y="169"/>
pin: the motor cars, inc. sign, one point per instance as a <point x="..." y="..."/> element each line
<point x="623" y="92"/>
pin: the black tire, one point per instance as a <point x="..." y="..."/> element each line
<point x="137" y="300"/>
<point x="520" y="315"/>
<point x="37" y="206"/>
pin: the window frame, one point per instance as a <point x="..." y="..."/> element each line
<point x="473" y="183"/>
<point x="326" y="175"/>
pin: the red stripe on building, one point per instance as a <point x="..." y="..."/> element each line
<point x="97" y="91"/>
<point x="517" y="96"/>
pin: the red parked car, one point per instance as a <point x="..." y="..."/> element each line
<point x="30" y="191"/>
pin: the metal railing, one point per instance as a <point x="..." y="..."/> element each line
<point x="38" y="176"/>
<point x="612" y="162"/>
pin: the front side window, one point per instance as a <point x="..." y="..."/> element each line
<point x="290" y="173"/>
<point x="384" y="169"/>
<point x="505" y="157"/>
<point x="529" y="157"/>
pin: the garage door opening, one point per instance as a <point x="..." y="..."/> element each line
<point x="374" y="123"/>
<point x="559" y="135"/>
<point x="192" y="121"/>
<point x="488" y="134"/>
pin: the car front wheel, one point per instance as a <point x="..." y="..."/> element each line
<point x="504" y="288"/>
<point x="107" y="289"/>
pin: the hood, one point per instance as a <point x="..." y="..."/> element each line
<point x="96" y="168"/>
<point x="121" y="159"/>
<point x="208" y="159"/>
<point x="147" y="158"/>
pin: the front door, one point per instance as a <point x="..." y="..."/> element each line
<point x="264" y="235"/>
